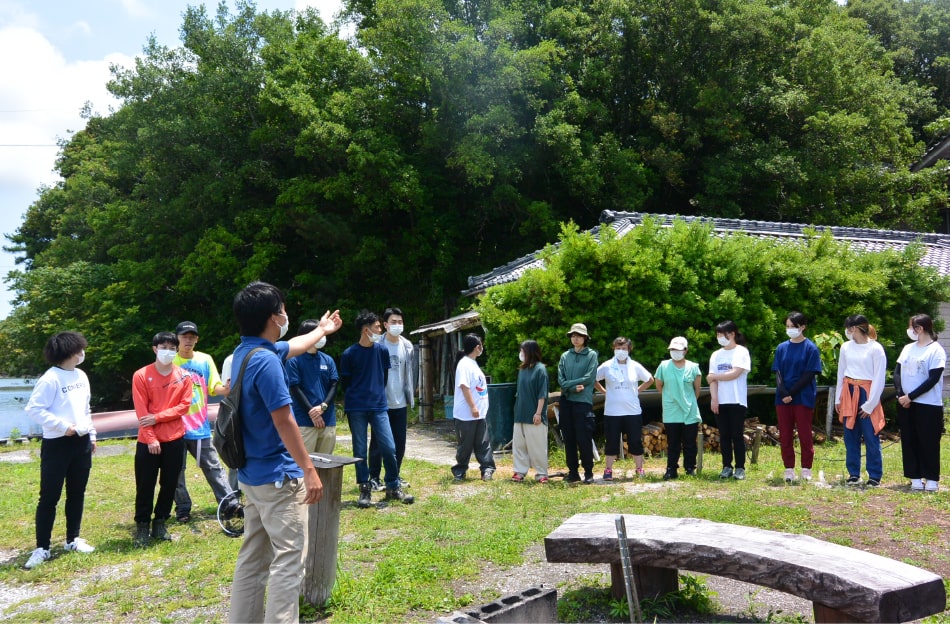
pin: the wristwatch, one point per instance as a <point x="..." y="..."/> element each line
<point x="324" y="406"/>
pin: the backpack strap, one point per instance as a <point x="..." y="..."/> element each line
<point x="236" y="386"/>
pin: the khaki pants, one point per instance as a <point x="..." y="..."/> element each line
<point x="272" y="555"/>
<point x="319" y="440"/>
<point x="529" y="448"/>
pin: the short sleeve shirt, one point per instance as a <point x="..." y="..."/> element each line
<point x="468" y="374"/>
<point x="916" y="363"/>
<point x="621" y="382"/>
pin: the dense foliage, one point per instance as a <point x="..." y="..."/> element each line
<point x="656" y="283"/>
<point x="446" y="137"/>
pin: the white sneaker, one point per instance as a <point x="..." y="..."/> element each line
<point x="79" y="545"/>
<point x="39" y="556"/>
<point x="806" y="474"/>
<point x="931" y="486"/>
<point x="916" y="485"/>
<point x="789" y="475"/>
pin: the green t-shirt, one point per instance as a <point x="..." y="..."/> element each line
<point x="532" y="385"/>
<point x="679" y="397"/>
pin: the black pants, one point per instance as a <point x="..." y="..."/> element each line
<point x="921" y="427"/>
<point x="472" y="437"/>
<point x="67" y="459"/>
<point x="576" y="422"/>
<point x="163" y="468"/>
<point x="731" y="421"/>
<point x="399" y="423"/>
<point x="680" y="436"/>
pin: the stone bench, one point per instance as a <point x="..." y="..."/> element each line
<point x="844" y="584"/>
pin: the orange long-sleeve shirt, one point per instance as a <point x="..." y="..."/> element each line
<point x="168" y="397"/>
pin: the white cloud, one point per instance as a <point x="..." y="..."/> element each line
<point x="137" y="8"/>
<point x="80" y="27"/>
<point x="41" y="95"/>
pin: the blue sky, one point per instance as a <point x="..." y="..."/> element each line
<point x="55" y="56"/>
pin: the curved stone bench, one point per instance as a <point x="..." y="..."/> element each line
<point x="844" y="584"/>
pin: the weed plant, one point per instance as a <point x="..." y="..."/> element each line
<point x="400" y="563"/>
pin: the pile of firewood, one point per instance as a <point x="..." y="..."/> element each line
<point x="655" y="442"/>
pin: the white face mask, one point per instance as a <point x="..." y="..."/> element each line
<point x="793" y="332"/>
<point x="373" y="337"/>
<point x="82" y="358"/>
<point x="284" y="328"/>
<point x="521" y="356"/>
<point x="911" y="334"/>
<point x="321" y="343"/>
<point x="677" y="355"/>
<point x="723" y="341"/>
<point x="165" y="356"/>
<point x="620" y="354"/>
<point x="395" y="330"/>
<point x="848" y="334"/>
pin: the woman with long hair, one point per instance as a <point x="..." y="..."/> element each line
<point x="529" y="443"/>
<point x="918" y="378"/>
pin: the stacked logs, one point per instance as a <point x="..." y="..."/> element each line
<point x="655" y="442"/>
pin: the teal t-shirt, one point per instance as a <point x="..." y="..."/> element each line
<point x="679" y="398"/>
<point x="532" y="385"/>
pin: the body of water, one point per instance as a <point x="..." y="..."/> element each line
<point x="14" y="394"/>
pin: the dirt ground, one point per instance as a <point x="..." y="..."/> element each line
<point x="738" y="601"/>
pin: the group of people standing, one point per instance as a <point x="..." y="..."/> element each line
<point x="918" y="379"/>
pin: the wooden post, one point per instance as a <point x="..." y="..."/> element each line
<point x="426" y="412"/>
<point x="756" y="443"/>
<point x="830" y="413"/>
<point x="700" y="447"/>
<point x="324" y="519"/>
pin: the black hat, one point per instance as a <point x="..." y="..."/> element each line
<point x="186" y="327"/>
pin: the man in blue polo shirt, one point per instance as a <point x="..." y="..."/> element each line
<point x="313" y="382"/>
<point x="279" y="479"/>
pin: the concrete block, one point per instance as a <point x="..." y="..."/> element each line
<point x="535" y="604"/>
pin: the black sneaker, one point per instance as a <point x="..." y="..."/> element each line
<point x="588" y="479"/>
<point x="873" y="483"/>
<point x="572" y="477"/>
<point x="366" y="496"/>
<point x="488" y="474"/>
<point x="377" y="485"/>
<point x="853" y="482"/>
<point x="399" y="495"/>
<point x="670" y="474"/>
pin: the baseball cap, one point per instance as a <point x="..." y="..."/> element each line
<point x="679" y="343"/>
<point x="186" y="327"/>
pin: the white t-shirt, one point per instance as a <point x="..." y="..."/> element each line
<point x="468" y="374"/>
<point x="621" y="382"/>
<point x="735" y="390"/>
<point x="916" y="363"/>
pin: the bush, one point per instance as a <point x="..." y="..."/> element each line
<point x="659" y="282"/>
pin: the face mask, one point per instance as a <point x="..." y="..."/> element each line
<point x="373" y="337"/>
<point x="165" y="356"/>
<point x="521" y="356"/>
<point x="82" y="358"/>
<point x="620" y="354"/>
<point x="677" y="355"/>
<point x="283" y="329"/>
<point x="793" y="332"/>
<point x="321" y="343"/>
<point x="723" y="341"/>
<point x="395" y="330"/>
<point x="848" y="334"/>
<point x="911" y="334"/>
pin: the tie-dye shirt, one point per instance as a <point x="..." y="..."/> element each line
<point x="204" y="375"/>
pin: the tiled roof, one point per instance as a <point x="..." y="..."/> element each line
<point x="936" y="246"/>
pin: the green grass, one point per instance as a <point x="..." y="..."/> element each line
<point x="413" y="563"/>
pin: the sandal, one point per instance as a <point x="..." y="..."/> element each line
<point x="517" y="477"/>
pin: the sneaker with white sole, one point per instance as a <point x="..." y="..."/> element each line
<point x="917" y="485"/>
<point x="806" y="474"/>
<point x="789" y="475"/>
<point x="79" y="545"/>
<point x="39" y="556"/>
<point x="931" y="486"/>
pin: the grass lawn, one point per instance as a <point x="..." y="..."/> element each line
<point x="413" y="563"/>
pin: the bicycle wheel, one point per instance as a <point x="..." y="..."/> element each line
<point x="231" y="514"/>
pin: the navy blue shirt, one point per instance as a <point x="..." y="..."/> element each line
<point x="264" y="389"/>
<point x="793" y="359"/>
<point x="314" y="373"/>
<point x="364" y="370"/>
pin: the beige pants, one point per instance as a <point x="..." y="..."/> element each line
<point x="529" y="448"/>
<point x="319" y="440"/>
<point x="272" y="555"/>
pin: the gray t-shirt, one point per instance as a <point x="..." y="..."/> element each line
<point x="398" y="365"/>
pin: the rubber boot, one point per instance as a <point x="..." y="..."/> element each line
<point x="159" y="531"/>
<point x="366" y="496"/>
<point x="141" y="534"/>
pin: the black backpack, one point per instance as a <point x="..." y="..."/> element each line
<point x="228" y="439"/>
